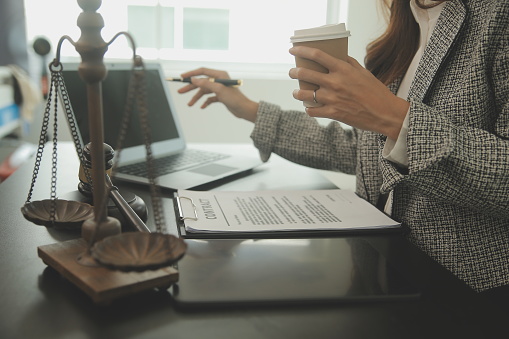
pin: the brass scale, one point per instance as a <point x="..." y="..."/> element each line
<point x="105" y="263"/>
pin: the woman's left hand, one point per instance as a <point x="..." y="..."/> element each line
<point x="349" y="93"/>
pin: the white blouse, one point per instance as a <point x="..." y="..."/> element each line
<point x="396" y="151"/>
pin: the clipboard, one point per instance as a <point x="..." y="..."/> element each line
<point x="228" y="269"/>
<point x="186" y="211"/>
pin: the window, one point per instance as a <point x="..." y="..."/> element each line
<point x="206" y="28"/>
<point x="149" y="32"/>
<point x="191" y="33"/>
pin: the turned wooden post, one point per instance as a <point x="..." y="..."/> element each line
<point x="92" y="70"/>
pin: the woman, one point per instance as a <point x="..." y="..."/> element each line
<point x="430" y="143"/>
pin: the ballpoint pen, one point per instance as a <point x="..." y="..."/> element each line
<point x="226" y="82"/>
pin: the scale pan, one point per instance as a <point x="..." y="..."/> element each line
<point x="135" y="251"/>
<point x="69" y="214"/>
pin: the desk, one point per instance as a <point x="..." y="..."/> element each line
<point x="37" y="303"/>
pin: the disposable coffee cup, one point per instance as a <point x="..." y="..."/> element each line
<point x="332" y="39"/>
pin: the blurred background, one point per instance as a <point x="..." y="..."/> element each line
<point x="250" y="39"/>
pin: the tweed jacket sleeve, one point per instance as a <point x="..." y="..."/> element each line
<point x="459" y="126"/>
<point x="301" y="139"/>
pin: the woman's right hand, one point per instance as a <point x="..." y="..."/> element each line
<point x="236" y="102"/>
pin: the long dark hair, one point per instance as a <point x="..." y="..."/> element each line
<point x="389" y="56"/>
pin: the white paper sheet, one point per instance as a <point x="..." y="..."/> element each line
<point x="272" y="211"/>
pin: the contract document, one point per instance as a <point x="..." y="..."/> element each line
<point x="278" y="211"/>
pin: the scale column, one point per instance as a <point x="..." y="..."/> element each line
<point x="92" y="70"/>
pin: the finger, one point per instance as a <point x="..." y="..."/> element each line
<point x="303" y="95"/>
<point x="207" y="86"/>
<point x="196" y="97"/>
<point x="314" y="54"/>
<point x="207" y="72"/>
<point x="311" y="111"/>
<point x="308" y="75"/>
<point x="354" y="62"/>
<point x="210" y="100"/>
<point x="322" y="111"/>
<point x="186" y="88"/>
<point x="317" y="112"/>
<point x="196" y="72"/>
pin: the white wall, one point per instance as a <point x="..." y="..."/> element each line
<point x="366" y="23"/>
<point x="216" y="124"/>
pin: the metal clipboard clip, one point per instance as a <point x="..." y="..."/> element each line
<point x="181" y="212"/>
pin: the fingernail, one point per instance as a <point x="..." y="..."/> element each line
<point x="295" y="92"/>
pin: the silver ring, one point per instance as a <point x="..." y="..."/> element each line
<point x="314" y="96"/>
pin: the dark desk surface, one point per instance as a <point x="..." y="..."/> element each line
<point x="37" y="303"/>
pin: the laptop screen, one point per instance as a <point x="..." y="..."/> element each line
<point x="114" y="89"/>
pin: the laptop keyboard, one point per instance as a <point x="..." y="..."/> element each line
<point x="172" y="163"/>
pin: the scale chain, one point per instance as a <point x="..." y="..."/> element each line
<point x="66" y="102"/>
<point x="52" y="94"/>
<point x="154" y="189"/>
<point x="136" y="96"/>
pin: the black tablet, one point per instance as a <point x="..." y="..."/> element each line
<point x="226" y="272"/>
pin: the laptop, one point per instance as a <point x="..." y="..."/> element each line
<point x="176" y="165"/>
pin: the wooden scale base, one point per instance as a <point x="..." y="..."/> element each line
<point x="101" y="283"/>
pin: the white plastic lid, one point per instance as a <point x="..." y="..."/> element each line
<point x="325" y="32"/>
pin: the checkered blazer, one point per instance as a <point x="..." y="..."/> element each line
<point x="454" y="195"/>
